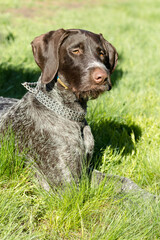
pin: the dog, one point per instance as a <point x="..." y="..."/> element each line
<point x="49" y="121"/>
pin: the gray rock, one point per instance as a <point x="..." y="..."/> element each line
<point x="121" y="184"/>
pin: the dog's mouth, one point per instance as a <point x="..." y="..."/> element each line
<point x="93" y="91"/>
<point x="108" y="84"/>
<point x="98" y="79"/>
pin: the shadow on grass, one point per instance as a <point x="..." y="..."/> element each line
<point x="11" y="78"/>
<point x="118" y="136"/>
<point x="116" y="77"/>
<point x="118" y="73"/>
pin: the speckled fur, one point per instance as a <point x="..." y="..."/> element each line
<point x="58" y="145"/>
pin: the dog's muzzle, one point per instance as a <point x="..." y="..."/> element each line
<point x="100" y="74"/>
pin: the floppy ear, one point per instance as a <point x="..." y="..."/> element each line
<point x="111" y="53"/>
<point x="46" y="53"/>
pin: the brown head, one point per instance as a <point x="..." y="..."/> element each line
<point x="83" y="60"/>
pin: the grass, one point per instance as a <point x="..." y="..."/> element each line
<point x="28" y="212"/>
<point x="125" y="123"/>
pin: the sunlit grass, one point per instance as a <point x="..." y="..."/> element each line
<point x="125" y="124"/>
<point x="76" y="212"/>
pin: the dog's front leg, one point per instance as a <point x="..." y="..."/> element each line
<point x="88" y="142"/>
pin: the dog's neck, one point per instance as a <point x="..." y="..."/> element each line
<point x="63" y="102"/>
<point x="65" y="96"/>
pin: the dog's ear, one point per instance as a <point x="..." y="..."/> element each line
<point x="46" y="53"/>
<point x="111" y="54"/>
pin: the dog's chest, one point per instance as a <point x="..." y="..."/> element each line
<point x="67" y="138"/>
<point x="63" y="151"/>
<point x="58" y="145"/>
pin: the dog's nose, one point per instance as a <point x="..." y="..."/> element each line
<point x="99" y="75"/>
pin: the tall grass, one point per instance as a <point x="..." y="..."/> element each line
<point x="76" y="212"/>
<point x="125" y="124"/>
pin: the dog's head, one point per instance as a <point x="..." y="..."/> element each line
<point x="83" y="60"/>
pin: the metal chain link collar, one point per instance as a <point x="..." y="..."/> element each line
<point x="53" y="105"/>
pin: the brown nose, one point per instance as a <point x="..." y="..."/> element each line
<point x="99" y="75"/>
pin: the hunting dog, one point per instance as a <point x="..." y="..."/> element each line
<point x="49" y="120"/>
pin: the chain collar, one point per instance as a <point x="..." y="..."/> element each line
<point x="53" y="105"/>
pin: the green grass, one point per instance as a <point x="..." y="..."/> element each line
<point x="28" y="212"/>
<point x="125" y="123"/>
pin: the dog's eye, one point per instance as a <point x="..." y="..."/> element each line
<point x="77" y="51"/>
<point x="101" y="53"/>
